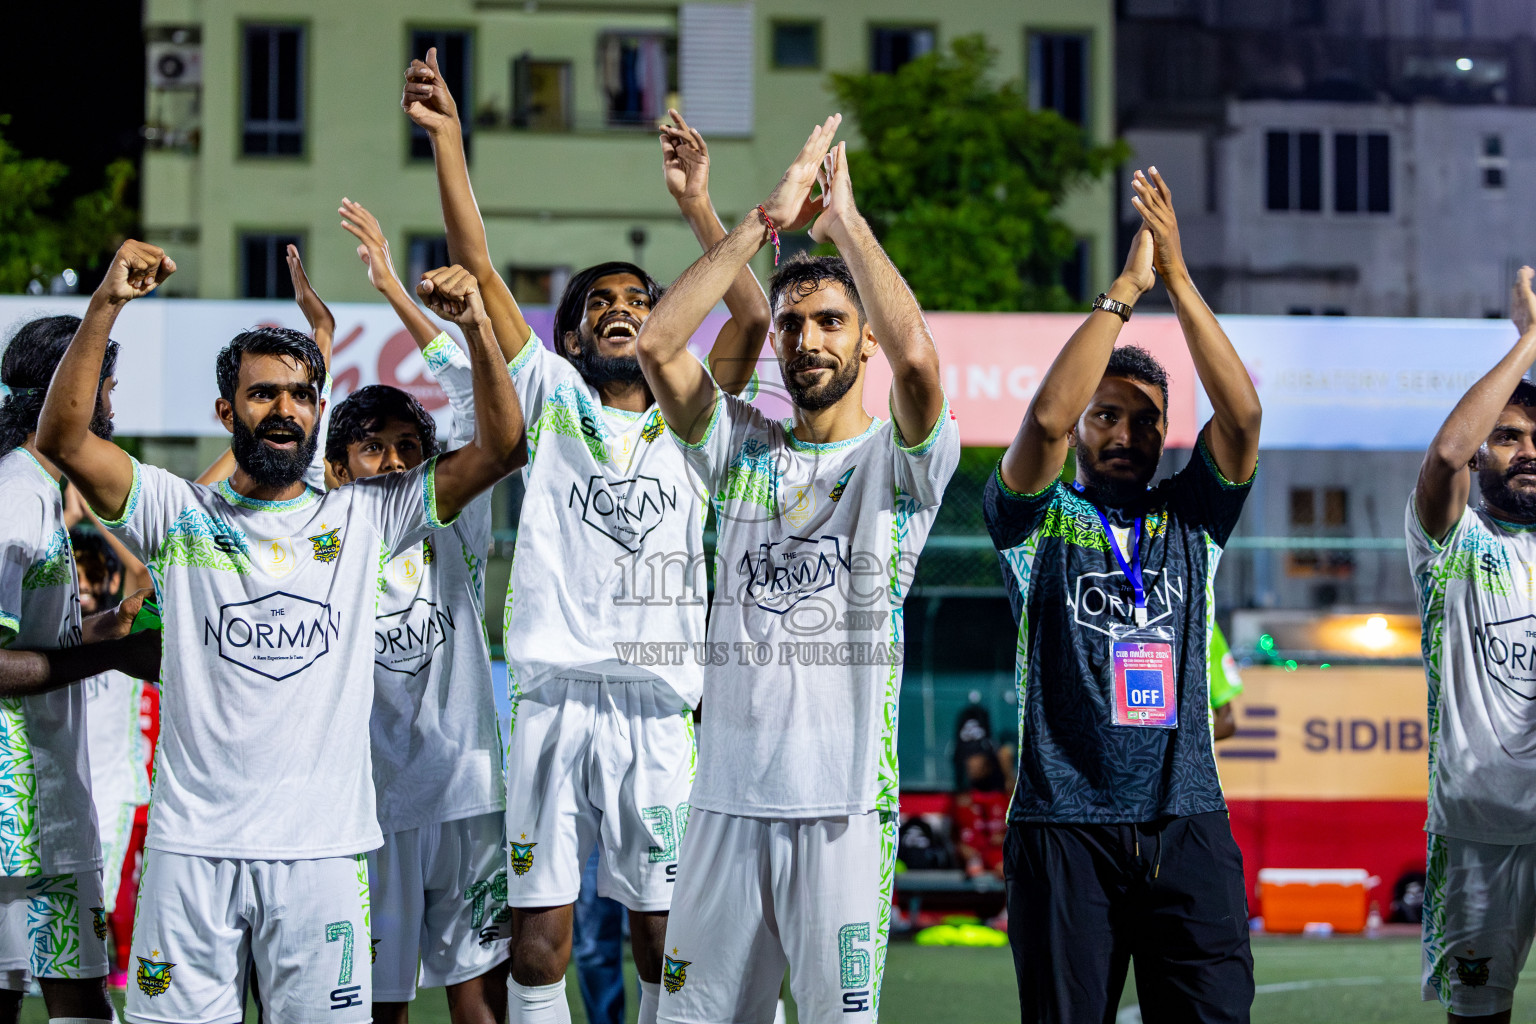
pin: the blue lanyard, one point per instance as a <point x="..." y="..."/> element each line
<point x="1132" y="569"/>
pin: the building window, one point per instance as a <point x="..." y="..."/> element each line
<point x="1493" y="177"/>
<point x="797" y="44"/>
<point x="1058" y="74"/>
<point x="453" y="57"/>
<point x="639" y="74"/>
<point x="424" y="253"/>
<point x="1492" y="163"/>
<point x="272" y="111"/>
<point x="264" y="265"/>
<point x="1294" y="171"/>
<point x="537" y="286"/>
<point x="1493" y="145"/>
<point x="1362" y="170"/>
<point x="890" y="48"/>
<point x="541" y="94"/>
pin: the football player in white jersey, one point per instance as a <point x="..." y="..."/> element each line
<point x="52" y="911"/>
<point x="438" y="884"/>
<point x="264" y="799"/>
<point x="790" y="852"/>
<point x="606" y="597"/>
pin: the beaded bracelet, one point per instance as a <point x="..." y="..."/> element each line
<point x="773" y="232"/>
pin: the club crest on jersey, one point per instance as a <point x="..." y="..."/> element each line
<point x="653" y="428"/>
<point x="276" y="556"/>
<point x="327" y="545"/>
<point x="1472" y="972"/>
<point x="798" y="505"/>
<point x="625" y="511"/>
<point x="522" y="857"/>
<point x="99" y="921"/>
<point x="674" y="973"/>
<point x="153" y="976"/>
<point x="841" y="485"/>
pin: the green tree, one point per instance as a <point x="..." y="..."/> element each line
<point x="961" y="180"/>
<point x="38" y="242"/>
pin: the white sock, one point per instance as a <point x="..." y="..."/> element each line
<point x="78" y="1020"/>
<point x="537" y="1004"/>
<point x="650" y="1000"/>
<point x="778" y="1014"/>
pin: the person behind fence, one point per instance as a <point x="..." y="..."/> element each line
<point x="1119" y="848"/>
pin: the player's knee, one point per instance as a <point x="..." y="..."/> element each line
<point x="391" y="1013"/>
<point x="540" y="953"/>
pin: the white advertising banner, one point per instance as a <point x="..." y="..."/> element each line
<point x="1326" y="382"/>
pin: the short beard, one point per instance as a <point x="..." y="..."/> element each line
<point x="1497" y="493"/>
<point x="821" y="396"/>
<point x="597" y="369"/>
<point x="101" y="421"/>
<point x="267" y="466"/>
<point x="1112" y="491"/>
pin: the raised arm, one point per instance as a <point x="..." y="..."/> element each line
<point x="373" y="250"/>
<point x="685" y="167"/>
<point x="1445" y="478"/>
<point x="102" y="470"/>
<point x="1039" y="449"/>
<point x="429" y="104"/>
<point x="917" y="395"/>
<point x="1232" y="437"/>
<point x="500" y="444"/>
<point x="682" y="388"/>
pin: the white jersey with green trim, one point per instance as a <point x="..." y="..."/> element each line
<point x="268" y="616"/>
<point x="437" y="749"/>
<point x="817" y="547"/>
<point x="47" y="820"/>
<point x="608" y="581"/>
<point x="115" y="736"/>
<point x="1477" y="602"/>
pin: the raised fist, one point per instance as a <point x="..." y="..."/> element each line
<point x="453" y="294"/>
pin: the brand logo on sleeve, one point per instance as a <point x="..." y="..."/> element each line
<point x="276" y="636"/>
<point x="624" y="510"/>
<point x="405" y="641"/>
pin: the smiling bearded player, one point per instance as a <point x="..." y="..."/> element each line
<point x="1473" y="567"/>
<point x="790" y="853"/>
<point x="609" y="561"/>
<point x="263" y="790"/>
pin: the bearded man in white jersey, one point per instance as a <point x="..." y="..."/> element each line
<point x="606" y="600"/>
<point x="1475" y="569"/>
<point x="52" y="911"/>
<point x="263" y="796"/>
<point x="790" y="852"/>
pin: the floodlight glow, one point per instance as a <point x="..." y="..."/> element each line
<point x="1464" y="64"/>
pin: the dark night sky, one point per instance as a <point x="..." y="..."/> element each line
<point x="81" y="95"/>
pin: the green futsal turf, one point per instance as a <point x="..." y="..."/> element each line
<point x="1300" y="981"/>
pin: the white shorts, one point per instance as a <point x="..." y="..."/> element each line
<point x="54" y="926"/>
<point x="1479" y="917"/>
<point x="303" y="923"/>
<point x="439" y="905"/>
<point x="755" y="895"/>
<point x="605" y="763"/>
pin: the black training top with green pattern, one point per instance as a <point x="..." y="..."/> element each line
<point x="1067" y="592"/>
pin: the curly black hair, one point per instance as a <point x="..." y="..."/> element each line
<point x="94" y="555"/>
<point x="1524" y="396"/>
<point x="269" y="341"/>
<point x="1136" y="363"/>
<point x="802" y="274"/>
<point x="369" y="408"/>
<point x="31" y="356"/>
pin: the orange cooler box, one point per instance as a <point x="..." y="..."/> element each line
<point x="1292" y="898"/>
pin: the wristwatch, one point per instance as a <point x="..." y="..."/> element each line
<point x="1120" y="309"/>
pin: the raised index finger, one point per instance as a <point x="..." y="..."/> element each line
<point x="820" y="141"/>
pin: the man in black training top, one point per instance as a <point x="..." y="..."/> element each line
<point x="1118" y="843"/>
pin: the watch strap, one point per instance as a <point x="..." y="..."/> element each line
<point x="1120" y="309"/>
